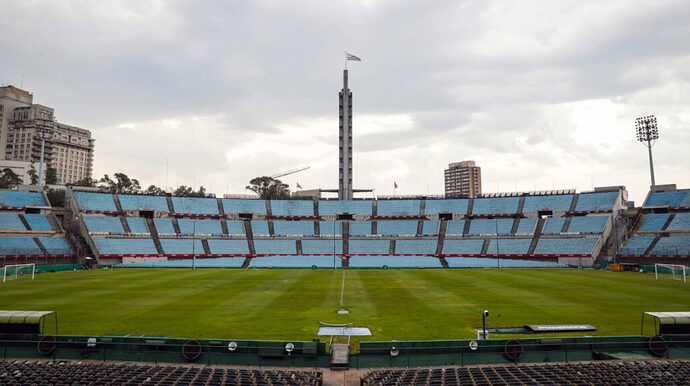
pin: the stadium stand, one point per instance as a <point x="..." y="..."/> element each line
<point x="218" y="262"/>
<point x="236" y="227"/>
<point x="602" y="201"/>
<point x="588" y="224"/>
<point x="295" y="208"/>
<point x="95" y="202"/>
<point x="677" y="199"/>
<point x="330" y="228"/>
<point x="108" y="373"/>
<point x="446" y="206"/>
<point x="430" y="228"/>
<point x="260" y="227"/>
<point x="397" y="227"/>
<point x="190" y="205"/>
<point x="234" y="206"/>
<point x="38" y="222"/>
<point x="636" y="245"/>
<point x="399" y="207"/>
<point x="553" y="225"/>
<point x="680" y="222"/>
<point x="103" y="224"/>
<point x="360" y="228"/>
<point x="137" y="225"/>
<point x="500" y="205"/>
<point x="325" y="247"/>
<point x="526" y="226"/>
<point x="275" y="247"/>
<point x="455" y="227"/>
<point x="479" y="227"/>
<point x="412" y="247"/>
<point x="563" y="246"/>
<point x="19" y="245"/>
<point x="12" y="199"/>
<point x="572" y="373"/>
<point x="11" y="222"/>
<point x="394" y="262"/>
<point x="364" y="247"/>
<point x="139" y="202"/>
<point x="55" y="245"/>
<point x="672" y="246"/>
<point x="551" y="202"/>
<point x="463" y="247"/>
<point x="295" y="262"/>
<point x="164" y="225"/>
<point x="345" y="206"/>
<point x="182" y="246"/>
<point x="228" y="247"/>
<point x="482" y="262"/>
<point x="509" y="246"/>
<point x="284" y="227"/>
<point x="107" y="246"/>
<point x="654" y="222"/>
<point x="203" y="227"/>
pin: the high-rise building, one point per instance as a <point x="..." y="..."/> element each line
<point x="463" y="179"/>
<point x="345" y="180"/>
<point x="23" y="127"/>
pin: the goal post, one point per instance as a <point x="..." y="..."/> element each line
<point x="677" y="271"/>
<point x="13" y="271"/>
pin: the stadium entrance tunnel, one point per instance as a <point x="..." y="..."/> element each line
<point x="142" y="348"/>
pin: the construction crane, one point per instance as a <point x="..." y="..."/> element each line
<point x="291" y="171"/>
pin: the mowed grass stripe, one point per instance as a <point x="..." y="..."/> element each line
<point x="286" y="304"/>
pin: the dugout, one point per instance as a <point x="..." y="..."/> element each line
<point x="668" y="322"/>
<point x="25" y="322"/>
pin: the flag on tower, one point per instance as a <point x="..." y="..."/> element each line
<point x="299" y="186"/>
<point x="352" y="57"/>
<point x="395" y="185"/>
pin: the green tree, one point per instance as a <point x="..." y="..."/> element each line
<point x="269" y="188"/>
<point x="33" y="174"/>
<point x="86" y="181"/>
<point x="155" y="191"/>
<point x="122" y="184"/>
<point x="51" y="176"/>
<point x="56" y="197"/>
<point x="9" y="179"/>
<point x="188" y="191"/>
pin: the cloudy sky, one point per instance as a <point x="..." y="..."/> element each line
<point x="541" y="94"/>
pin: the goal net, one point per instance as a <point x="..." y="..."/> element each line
<point x="677" y="271"/>
<point x="15" y="271"/>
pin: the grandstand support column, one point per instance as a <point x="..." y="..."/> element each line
<point x="204" y="244"/>
<point x="345" y="136"/>
<point x="535" y="238"/>
<point x="250" y="236"/>
<point x="154" y="235"/>
<point x="24" y="222"/>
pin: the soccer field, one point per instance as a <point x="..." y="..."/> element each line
<point x="287" y="304"/>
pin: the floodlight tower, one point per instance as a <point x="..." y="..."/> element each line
<point x="648" y="133"/>
<point x="43" y="132"/>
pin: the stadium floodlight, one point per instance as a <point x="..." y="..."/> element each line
<point x="485" y="315"/>
<point x="647" y="133"/>
<point x="43" y="133"/>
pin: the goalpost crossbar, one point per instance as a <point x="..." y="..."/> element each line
<point x="14" y="270"/>
<point x="672" y="267"/>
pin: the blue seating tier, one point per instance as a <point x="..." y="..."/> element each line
<point x="480" y="262"/>
<point x="221" y="262"/>
<point x="680" y="222"/>
<point x="495" y="205"/>
<point x="230" y="247"/>
<point x="397" y="227"/>
<point x="398" y="207"/>
<point x="244" y="206"/>
<point x="636" y="245"/>
<point x="671" y="199"/>
<point x="137" y="225"/>
<point x="329" y="228"/>
<point x="55" y="245"/>
<point x="360" y="228"/>
<point x="260" y="227"/>
<point x="105" y="224"/>
<point x="553" y="225"/>
<point x="345" y="206"/>
<point x="11" y="222"/>
<point x="38" y="222"/>
<point x="294" y="262"/>
<point x="292" y="208"/>
<point x="125" y="246"/>
<point x="22" y="199"/>
<point x="200" y="227"/>
<point x="654" y="222"/>
<point x="577" y="246"/>
<point x="236" y="227"/>
<point x="275" y="247"/>
<point x="588" y="224"/>
<point x="95" y="201"/>
<point x="508" y="246"/>
<point x="164" y="225"/>
<point x="18" y="246"/>
<point x="555" y="202"/>
<point x="596" y="201"/>
<point x="478" y="227"/>
<point x="182" y="246"/>
<point x="526" y="226"/>
<point x="137" y="202"/>
<point x="456" y="247"/>
<point x="364" y="247"/>
<point x="430" y="228"/>
<point x="195" y="205"/>
<point x="672" y="246"/>
<point x="416" y="246"/>
<point x="282" y="227"/>
<point x="394" y="262"/>
<point x="322" y="246"/>
<point x="446" y="206"/>
<point x="455" y="227"/>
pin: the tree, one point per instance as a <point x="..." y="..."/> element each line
<point x="188" y="191"/>
<point x="9" y="179"/>
<point x="269" y="188"/>
<point x="56" y="197"/>
<point x="86" y="181"/>
<point x="153" y="190"/>
<point x="121" y="185"/>
<point x="33" y="174"/>
<point x="51" y="176"/>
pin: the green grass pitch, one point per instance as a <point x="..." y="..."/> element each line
<point x="287" y="304"/>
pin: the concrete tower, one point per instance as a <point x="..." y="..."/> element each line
<point x="345" y="182"/>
